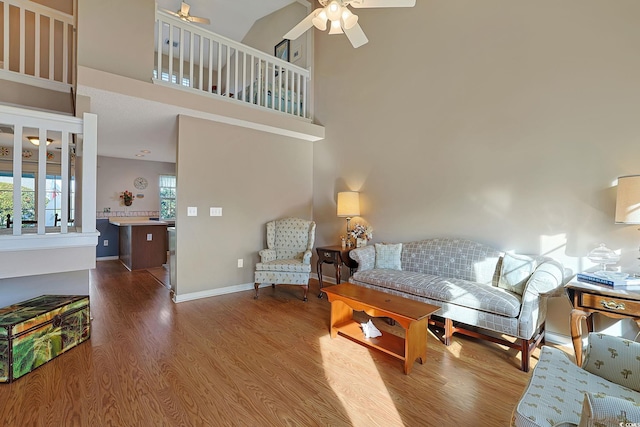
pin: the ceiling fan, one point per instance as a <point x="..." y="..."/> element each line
<point x="183" y="14"/>
<point x="342" y="19"/>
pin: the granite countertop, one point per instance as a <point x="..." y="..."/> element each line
<point x="122" y="222"/>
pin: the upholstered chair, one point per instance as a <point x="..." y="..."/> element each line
<point x="287" y="259"/>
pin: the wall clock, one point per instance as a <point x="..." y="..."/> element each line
<point x="140" y="183"/>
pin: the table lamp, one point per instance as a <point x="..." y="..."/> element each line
<point x="348" y="205"/>
<point x="628" y="200"/>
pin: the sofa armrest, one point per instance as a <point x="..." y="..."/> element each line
<point x="267" y="255"/>
<point x="546" y="281"/>
<point x="365" y="257"/>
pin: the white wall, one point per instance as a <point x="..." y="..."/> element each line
<point x="501" y="121"/>
<point x="117" y="175"/>
<point x="23" y="288"/>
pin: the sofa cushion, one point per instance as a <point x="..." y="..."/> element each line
<point x="614" y="359"/>
<point x="460" y="292"/>
<point x="556" y="391"/>
<point x="459" y="258"/>
<point x="514" y="272"/>
<point x="388" y="256"/>
<point x="292" y="265"/>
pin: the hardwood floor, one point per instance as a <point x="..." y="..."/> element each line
<point x="235" y="361"/>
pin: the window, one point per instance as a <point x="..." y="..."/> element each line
<point x="167" y="197"/>
<point x="54" y="200"/>
<point x="174" y="78"/>
<point x="28" y="196"/>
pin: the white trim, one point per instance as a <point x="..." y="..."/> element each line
<point x="214" y="292"/>
<point x="34" y="81"/>
<point x="29" y="242"/>
<point x="558" y="339"/>
<point x="108" y="258"/>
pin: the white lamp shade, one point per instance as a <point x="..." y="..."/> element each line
<point x="335" y="28"/>
<point x="628" y="200"/>
<point x="320" y="21"/>
<point x="348" y="204"/>
<point x="349" y="20"/>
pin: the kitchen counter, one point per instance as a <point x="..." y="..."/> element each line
<point x="142" y="242"/>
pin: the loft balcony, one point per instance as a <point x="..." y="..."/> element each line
<point x="194" y="59"/>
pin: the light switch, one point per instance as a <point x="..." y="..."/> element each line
<point x="149" y="237"/>
<point x="192" y="211"/>
<point x="215" y="211"/>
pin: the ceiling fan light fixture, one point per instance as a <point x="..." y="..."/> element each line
<point x="349" y="20"/>
<point x="334" y="10"/>
<point x="36" y="141"/>
<point x="320" y="21"/>
<point x="335" y="28"/>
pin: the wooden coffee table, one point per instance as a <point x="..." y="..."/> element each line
<point x="412" y="315"/>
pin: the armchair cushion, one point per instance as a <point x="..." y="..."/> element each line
<point x="615" y="359"/>
<point x="598" y="409"/>
<point x="292" y="265"/>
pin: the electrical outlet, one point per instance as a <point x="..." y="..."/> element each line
<point x="215" y="211"/>
<point x="192" y="211"/>
<point x="240" y="263"/>
<point x="149" y="237"/>
<point x="106" y="243"/>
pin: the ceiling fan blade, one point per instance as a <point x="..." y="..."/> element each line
<point x="184" y="8"/>
<point x="170" y="12"/>
<point x="361" y="4"/>
<point x="302" y="26"/>
<point x="199" y="20"/>
<point x="356" y="36"/>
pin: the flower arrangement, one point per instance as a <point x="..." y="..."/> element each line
<point x="359" y="231"/>
<point x="127" y="197"/>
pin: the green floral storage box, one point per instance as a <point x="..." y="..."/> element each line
<point x="35" y="331"/>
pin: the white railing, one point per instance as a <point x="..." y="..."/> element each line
<point x="38" y="45"/>
<point x="77" y="139"/>
<point x="188" y="56"/>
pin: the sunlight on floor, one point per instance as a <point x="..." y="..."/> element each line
<point x="375" y="387"/>
<point x="455" y="349"/>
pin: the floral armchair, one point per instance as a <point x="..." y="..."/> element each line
<point x="605" y="391"/>
<point x="287" y="259"/>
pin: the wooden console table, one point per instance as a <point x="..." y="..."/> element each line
<point x="412" y="315"/>
<point x="590" y="298"/>
<point x="336" y="255"/>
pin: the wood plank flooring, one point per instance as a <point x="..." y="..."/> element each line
<point x="235" y="361"/>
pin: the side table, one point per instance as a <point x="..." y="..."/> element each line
<point x="336" y="255"/>
<point x="590" y="298"/>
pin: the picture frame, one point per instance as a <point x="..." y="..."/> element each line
<point x="282" y="49"/>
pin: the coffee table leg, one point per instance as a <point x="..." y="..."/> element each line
<point x="415" y="344"/>
<point x="340" y="313"/>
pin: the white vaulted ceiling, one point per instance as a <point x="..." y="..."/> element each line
<point x="230" y="18"/>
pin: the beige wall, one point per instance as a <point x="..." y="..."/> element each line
<point x="117" y="36"/>
<point x="117" y="175"/>
<point x="501" y="121"/>
<point x="255" y="177"/>
<point x="268" y="31"/>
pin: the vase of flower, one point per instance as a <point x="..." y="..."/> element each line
<point x="361" y="234"/>
<point x="127" y="198"/>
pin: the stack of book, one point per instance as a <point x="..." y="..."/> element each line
<point x="613" y="279"/>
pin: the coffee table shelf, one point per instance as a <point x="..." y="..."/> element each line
<point x="412" y="315"/>
<point x="387" y="342"/>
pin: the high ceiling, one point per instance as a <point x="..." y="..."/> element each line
<point x="230" y="18"/>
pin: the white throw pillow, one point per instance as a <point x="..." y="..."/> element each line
<point x="388" y="256"/>
<point x="515" y="272"/>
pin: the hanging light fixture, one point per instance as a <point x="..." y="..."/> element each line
<point x="36" y="141"/>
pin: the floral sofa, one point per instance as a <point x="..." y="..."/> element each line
<point x="482" y="291"/>
<point x="605" y="391"/>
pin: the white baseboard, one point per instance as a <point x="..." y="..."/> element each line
<point x="107" y="258"/>
<point x="215" y="292"/>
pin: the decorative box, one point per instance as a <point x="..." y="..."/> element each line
<point x="35" y="331"/>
